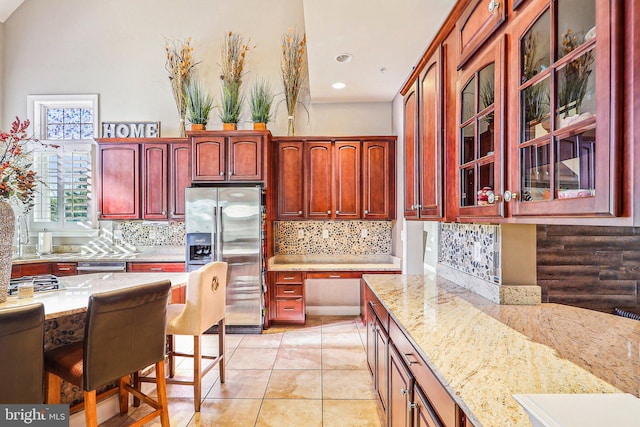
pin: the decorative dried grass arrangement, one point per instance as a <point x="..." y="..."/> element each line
<point x="294" y="71"/>
<point x="233" y="56"/>
<point x="180" y="64"/>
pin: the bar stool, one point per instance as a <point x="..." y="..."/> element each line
<point x="205" y="307"/>
<point x="22" y="354"/>
<point x="124" y="332"/>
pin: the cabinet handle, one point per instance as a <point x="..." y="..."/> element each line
<point x="287" y="292"/>
<point x="372" y="304"/>
<point x="164" y="212"/>
<point x="366" y="211"/>
<point x="289" y="278"/>
<point x="410" y="362"/>
<point x="64" y="268"/>
<point x="412" y="405"/>
<point x="329" y="211"/>
<point x="494" y="5"/>
<point x="156" y="269"/>
<point x="404" y="391"/>
<point x="299" y="212"/>
<point x="334" y="276"/>
<point x="221" y="173"/>
<point x="230" y="173"/>
<point x="289" y="309"/>
<point x="337" y="212"/>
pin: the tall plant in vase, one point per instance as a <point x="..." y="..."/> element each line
<point x="294" y="71"/>
<point x="233" y="56"/>
<point x="17" y="183"/>
<point x="180" y="65"/>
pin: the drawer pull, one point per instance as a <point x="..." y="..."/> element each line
<point x="288" y="291"/>
<point x="411" y="362"/>
<point x="64" y="268"/>
<point x="156" y="269"/>
<point x="289" y="309"/>
<point x="289" y="278"/>
<point x="334" y="276"/>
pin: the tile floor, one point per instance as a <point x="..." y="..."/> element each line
<point x="311" y="375"/>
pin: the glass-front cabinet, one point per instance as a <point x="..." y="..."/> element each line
<point x="562" y="100"/>
<point x="480" y="139"/>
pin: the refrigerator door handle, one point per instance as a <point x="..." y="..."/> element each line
<point x="219" y="232"/>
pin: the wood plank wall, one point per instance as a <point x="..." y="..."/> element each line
<point x="591" y="267"/>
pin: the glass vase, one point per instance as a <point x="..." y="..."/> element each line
<point x="291" y="130"/>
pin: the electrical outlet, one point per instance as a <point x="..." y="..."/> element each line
<point x="152" y="234"/>
<point x="117" y="234"/>
<point x="364" y="233"/>
<point x="325" y="234"/>
<point x="477" y="251"/>
<point x="300" y="234"/>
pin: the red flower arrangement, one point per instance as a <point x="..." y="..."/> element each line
<point x="17" y="179"/>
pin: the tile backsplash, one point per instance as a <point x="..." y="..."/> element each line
<point x="142" y="233"/>
<point x="471" y="248"/>
<point x="332" y="237"/>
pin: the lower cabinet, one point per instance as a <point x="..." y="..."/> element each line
<point x="409" y="391"/>
<point x="64" y="268"/>
<point x="35" y="269"/>
<point x="148" y="267"/>
<point x="287" y="297"/>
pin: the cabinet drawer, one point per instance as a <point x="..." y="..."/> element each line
<point x="289" y="277"/>
<point x="290" y="309"/>
<point x="334" y="275"/>
<point x="435" y="392"/>
<point x="64" y="269"/>
<point x="288" y="291"/>
<point x="378" y="308"/>
<point x="177" y="267"/>
<point x="30" y="269"/>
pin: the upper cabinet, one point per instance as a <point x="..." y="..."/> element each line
<point x="142" y="178"/>
<point x="423" y="106"/>
<point x="564" y="139"/>
<point x="335" y="178"/>
<point x="227" y="156"/>
<point x="479" y="20"/>
<point x="480" y="141"/>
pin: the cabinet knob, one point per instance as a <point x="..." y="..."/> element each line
<point x="366" y="211"/>
<point x="230" y="173"/>
<point x="164" y="212"/>
<point x="412" y="405"/>
<point x="299" y="212"/>
<point x="329" y="212"/>
<point x="337" y="212"/>
<point x="404" y="391"/>
<point x="494" y="5"/>
<point x="221" y="173"/>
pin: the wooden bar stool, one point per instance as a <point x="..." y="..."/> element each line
<point x="205" y="306"/>
<point x="124" y="332"/>
<point x="22" y="354"/>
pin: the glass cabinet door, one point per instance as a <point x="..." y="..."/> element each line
<point x="480" y="134"/>
<point x="562" y="156"/>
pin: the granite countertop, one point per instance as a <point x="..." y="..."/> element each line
<point x="75" y="295"/>
<point x="483" y="352"/>
<point x="334" y="263"/>
<point x="79" y="257"/>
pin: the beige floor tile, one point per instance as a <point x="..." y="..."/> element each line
<point x="227" y="413"/>
<point x="352" y="413"/>
<point x="344" y="358"/>
<point x="298" y="358"/>
<point x="261" y="341"/>
<point x="339" y="324"/>
<point x="290" y="412"/>
<point x="347" y="384"/>
<point x="302" y="339"/>
<point x="295" y="384"/>
<point x="341" y="340"/>
<point x="252" y="358"/>
<point x="241" y="384"/>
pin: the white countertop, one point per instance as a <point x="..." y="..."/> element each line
<point x="75" y="295"/>
<point x="334" y="263"/>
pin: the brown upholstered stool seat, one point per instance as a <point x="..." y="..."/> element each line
<point x="21" y="354"/>
<point x="124" y="332"/>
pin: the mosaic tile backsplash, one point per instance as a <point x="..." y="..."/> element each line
<point x="471" y="248"/>
<point x="139" y="233"/>
<point x="343" y="237"/>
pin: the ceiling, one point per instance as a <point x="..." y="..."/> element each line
<point x="385" y="38"/>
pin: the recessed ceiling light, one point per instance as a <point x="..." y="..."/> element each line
<point x="338" y="85"/>
<point x="343" y="57"/>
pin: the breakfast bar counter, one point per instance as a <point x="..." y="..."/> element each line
<point x="483" y="353"/>
<point x="74" y="296"/>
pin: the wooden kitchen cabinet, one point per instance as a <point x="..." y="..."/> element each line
<point x="319" y="179"/>
<point x="155" y="165"/>
<point x="400" y="385"/>
<point x="566" y="138"/>
<point x="64" y="268"/>
<point x="157" y="267"/>
<point x="347" y="174"/>
<point x="142" y="178"/>
<point x="378" y="180"/>
<point x="479" y="20"/>
<point x="290" y="182"/>
<point x="287" y="297"/>
<point x="424" y="158"/>
<point x="34" y="269"/>
<point x="227" y="156"/>
<point x="119" y="180"/>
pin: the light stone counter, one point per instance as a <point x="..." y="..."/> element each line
<point x="74" y="298"/>
<point x="483" y="352"/>
<point x="79" y="257"/>
<point x="334" y="263"/>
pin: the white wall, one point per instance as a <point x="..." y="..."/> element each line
<point x="398" y="129"/>
<point x="116" y="49"/>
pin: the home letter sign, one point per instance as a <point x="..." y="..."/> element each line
<point x="130" y="129"/>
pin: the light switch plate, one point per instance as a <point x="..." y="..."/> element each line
<point x="300" y="234"/>
<point x="325" y="234"/>
<point x="364" y="233"/>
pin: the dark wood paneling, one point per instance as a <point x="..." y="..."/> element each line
<point x="591" y="267"/>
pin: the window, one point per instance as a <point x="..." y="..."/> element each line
<point x="69" y="121"/>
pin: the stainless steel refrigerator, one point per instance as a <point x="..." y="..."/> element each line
<point x="226" y="224"/>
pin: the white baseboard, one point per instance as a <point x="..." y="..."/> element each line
<point x="334" y="310"/>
